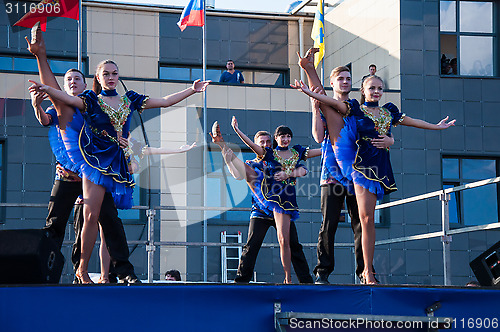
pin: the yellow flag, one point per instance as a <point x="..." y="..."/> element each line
<point x="318" y="33"/>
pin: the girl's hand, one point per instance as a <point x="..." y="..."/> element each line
<point x="38" y="87"/>
<point x="133" y="167"/>
<point x="187" y="147"/>
<point x="280" y="176"/>
<point x="443" y="124"/>
<point x="123" y="142"/>
<point x="301" y="87"/>
<point x="308" y="59"/>
<point x="199" y="86"/>
<point x="383" y="141"/>
<point x="234" y="124"/>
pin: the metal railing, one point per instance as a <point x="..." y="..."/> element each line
<point x="445" y="233"/>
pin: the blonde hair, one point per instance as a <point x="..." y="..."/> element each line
<point x="336" y="71"/>
<point x="96" y="86"/>
<point x="362" y="99"/>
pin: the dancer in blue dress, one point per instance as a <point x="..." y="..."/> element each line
<point x="275" y="185"/>
<point x="104" y="117"/>
<point x="368" y="167"/>
<point x="260" y="219"/>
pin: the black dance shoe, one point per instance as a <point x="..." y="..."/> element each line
<point x="321" y="279"/>
<point x="130" y="279"/>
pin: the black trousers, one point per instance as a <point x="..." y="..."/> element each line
<point x="257" y="230"/>
<point x="332" y="199"/>
<point x="62" y="199"/>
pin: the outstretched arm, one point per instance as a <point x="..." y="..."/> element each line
<point x="336" y="104"/>
<point x="198" y="86"/>
<point x="150" y="151"/>
<point x="61" y="96"/>
<point x="259" y="151"/>
<point x="407" y="121"/>
<point x="313" y="153"/>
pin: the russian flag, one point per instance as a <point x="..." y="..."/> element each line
<point x="192" y="15"/>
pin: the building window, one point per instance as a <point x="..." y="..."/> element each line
<point x="29" y="65"/>
<point x="189" y="74"/>
<point x="468" y="38"/>
<point x="226" y="192"/>
<point x="264" y="77"/>
<point x="476" y="206"/>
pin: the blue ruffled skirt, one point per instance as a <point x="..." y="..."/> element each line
<point x="347" y="150"/>
<point x="275" y="196"/>
<point x="333" y="168"/>
<point x="59" y="150"/>
<point x="99" y="160"/>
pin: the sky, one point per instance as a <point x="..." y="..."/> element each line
<point x="279" y="6"/>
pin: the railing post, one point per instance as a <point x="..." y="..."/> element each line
<point x="445" y="238"/>
<point x="150" y="246"/>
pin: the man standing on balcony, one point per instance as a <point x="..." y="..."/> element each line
<point x="231" y="75"/>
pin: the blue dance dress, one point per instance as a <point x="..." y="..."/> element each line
<point x="96" y="149"/>
<point x="358" y="159"/>
<point x="279" y="196"/>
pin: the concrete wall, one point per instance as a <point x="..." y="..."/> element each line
<point x="363" y="32"/>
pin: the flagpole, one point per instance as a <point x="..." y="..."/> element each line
<point x="324" y="46"/>
<point x="205" y="146"/>
<point x="80" y="35"/>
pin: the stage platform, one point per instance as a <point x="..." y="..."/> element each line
<point x="242" y="308"/>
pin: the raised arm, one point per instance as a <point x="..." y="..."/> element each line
<point x="318" y="129"/>
<point x="336" y="104"/>
<point x="59" y="95"/>
<point x="198" y="86"/>
<point x="37" y="47"/>
<point x="307" y="63"/>
<point x="417" y="123"/>
<point x="237" y="170"/>
<point x="235" y="166"/>
<point x="259" y="151"/>
<point x="36" y="100"/>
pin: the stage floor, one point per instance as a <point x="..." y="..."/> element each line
<point x="230" y="307"/>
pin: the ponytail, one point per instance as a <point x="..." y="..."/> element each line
<point x="96" y="86"/>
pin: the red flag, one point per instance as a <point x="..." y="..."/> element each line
<point x="49" y="8"/>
